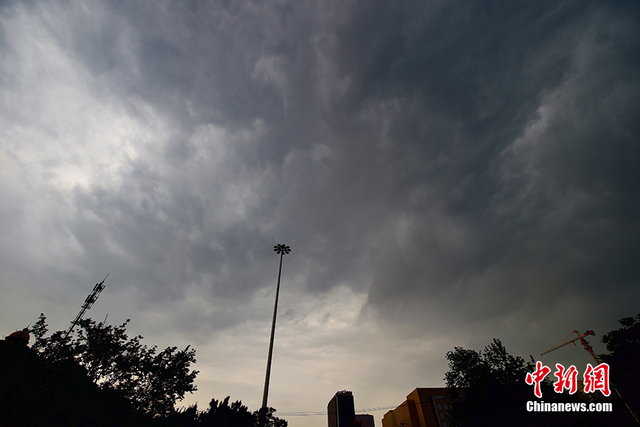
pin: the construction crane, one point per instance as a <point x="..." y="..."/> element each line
<point x="589" y="349"/>
<point x="93" y="296"/>
<point x="584" y="343"/>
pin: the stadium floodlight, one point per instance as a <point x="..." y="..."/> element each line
<point x="280" y="249"/>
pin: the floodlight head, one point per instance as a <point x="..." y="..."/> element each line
<point x="281" y="249"/>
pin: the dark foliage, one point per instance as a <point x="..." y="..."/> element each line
<point x="151" y="381"/>
<point x="488" y="388"/>
<point x="623" y="359"/>
<point x="223" y="414"/>
<point x="267" y="419"/>
<point x="56" y="393"/>
<point x="100" y="377"/>
<point x="476" y="379"/>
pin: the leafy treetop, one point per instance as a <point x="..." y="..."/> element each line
<point x="152" y="381"/>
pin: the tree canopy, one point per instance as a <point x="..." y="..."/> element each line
<point x="35" y="392"/>
<point x="477" y="380"/>
<point x="223" y="414"/>
<point x="624" y="347"/>
<point x="488" y="388"/>
<point x="152" y="381"/>
<point x="99" y="376"/>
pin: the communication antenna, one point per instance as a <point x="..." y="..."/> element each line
<point x="93" y="297"/>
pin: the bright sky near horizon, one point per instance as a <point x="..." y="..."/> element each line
<point x="445" y="173"/>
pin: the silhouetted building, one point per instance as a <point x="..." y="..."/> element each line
<point x="424" y="407"/>
<point x="341" y="410"/>
<point x="19" y="337"/>
<point x="365" y="420"/>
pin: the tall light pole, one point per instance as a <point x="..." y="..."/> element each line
<point x="282" y="250"/>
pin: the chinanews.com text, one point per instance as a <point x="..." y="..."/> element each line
<point x="535" y="406"/>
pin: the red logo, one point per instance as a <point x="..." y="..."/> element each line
<point x="597" y="379"/>
<point x="594" y="379"/>
<point x="537" y="376"/>
<point x="568" y="379"/>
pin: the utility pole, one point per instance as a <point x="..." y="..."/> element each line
<point x="282" y="250"/>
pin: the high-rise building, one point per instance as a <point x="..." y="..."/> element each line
<point x="341" y="409"/>
<point x="424" y="407"/>
<point x="341" y="412"/>
<point x="365" y="420"/>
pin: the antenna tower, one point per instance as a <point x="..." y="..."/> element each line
<point x="93" y="297"/>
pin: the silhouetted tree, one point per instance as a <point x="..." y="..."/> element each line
<point x="225" y="414"/>
<point x="151" y="381"/>
<point x="221" y="414"/>
<point x="100" y="377"/>
<point x="624" y="358"/>
<point x="478" y="380"/>
<point x="185" y="417"/>
<point x="488" y="388"/>
<point x="266" y="418"/>
<point x="56" y="393"/>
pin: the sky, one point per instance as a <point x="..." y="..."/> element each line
<point x="445" y="172"/>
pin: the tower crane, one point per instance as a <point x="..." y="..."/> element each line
<point x="584" y="343"/>
<point x="589" y="349"/>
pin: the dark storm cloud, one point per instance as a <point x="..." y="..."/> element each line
<point x="464" y="156"/>
<point x="510" y="125"/>
<point x="226" y="62"/>
<point x="242" y="66"/>
<point x="438" y="97"/>
<point x="445" y="172"/>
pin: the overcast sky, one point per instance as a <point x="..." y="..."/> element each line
<point x="445" y="172"/>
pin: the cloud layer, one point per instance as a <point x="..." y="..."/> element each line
<point x="445" y="173"/>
